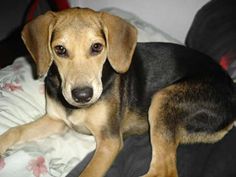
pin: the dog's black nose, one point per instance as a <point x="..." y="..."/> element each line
<point x="82" y="95"/>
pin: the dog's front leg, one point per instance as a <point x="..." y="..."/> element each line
<point x="108" y="144"/>
<point x="40" y="128"/>
<point x="106" y="151"/>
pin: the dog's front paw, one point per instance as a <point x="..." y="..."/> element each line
<point x="5" y="143"/>
<point x="3" y="148"/>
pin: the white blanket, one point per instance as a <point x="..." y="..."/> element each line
<point x="22" y="100"/>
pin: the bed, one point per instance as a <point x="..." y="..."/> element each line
<point x="22" y="100"/>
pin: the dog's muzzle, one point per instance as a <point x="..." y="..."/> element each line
<point x="82" y="95"/>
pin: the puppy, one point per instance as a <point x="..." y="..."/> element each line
<point x="100" y="82"/>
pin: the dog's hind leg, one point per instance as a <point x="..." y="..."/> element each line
<point x="180" y="114"/>
<point x="104" y="123"/>
<point x="163" y="140"/>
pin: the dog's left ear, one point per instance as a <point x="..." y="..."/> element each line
<point x="121" y="40"/>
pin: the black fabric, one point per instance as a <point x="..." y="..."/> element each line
<point x="197" y="160"/>
<point x="13" y="16"/>
<point x="209" y="160"/>
<point x="132" y="161"/>
<point x="213" y="32"/>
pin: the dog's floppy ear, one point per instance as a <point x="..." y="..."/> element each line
<point x="36" y="36"/>
<point x="121" y="41"/>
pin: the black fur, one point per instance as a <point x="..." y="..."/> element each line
<point x="157" y="65"/>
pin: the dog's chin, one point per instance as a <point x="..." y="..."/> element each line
<point x="82" y="105"/>
<point x="77" y="105"/>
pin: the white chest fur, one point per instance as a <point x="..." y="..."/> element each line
<point x="83" y="120"/>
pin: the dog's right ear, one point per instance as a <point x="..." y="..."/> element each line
<point x="37" y="36"/>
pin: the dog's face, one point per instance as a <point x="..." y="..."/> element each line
<point x="79" y="50"/>
<point x="79" y="41"/>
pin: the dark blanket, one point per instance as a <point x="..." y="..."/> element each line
<point x="198" y="160"/>
<point x="213" y="32"/>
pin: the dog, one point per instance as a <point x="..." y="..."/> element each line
<point x="100" y="81"/>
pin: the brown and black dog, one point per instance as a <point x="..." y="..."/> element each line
<point x="101" y="82"/>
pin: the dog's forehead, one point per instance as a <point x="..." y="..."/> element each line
<point x="77" y="24"/>
<point x="78" y="18"/>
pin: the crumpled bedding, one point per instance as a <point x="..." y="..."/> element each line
<point x="22" y="100"/>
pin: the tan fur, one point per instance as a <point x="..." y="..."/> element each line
<point x="133" y="123"/>
<point x="203" y="137"/>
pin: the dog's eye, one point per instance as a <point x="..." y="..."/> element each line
<point x="96" y="48"/>
<point x="61" y="51"/>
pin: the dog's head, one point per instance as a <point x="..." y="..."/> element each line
<point x="79" y="41"/>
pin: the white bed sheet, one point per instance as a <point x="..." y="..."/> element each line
<point x="22" y="100"/>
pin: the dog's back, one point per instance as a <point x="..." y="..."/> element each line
<point x="159" y="65"/>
